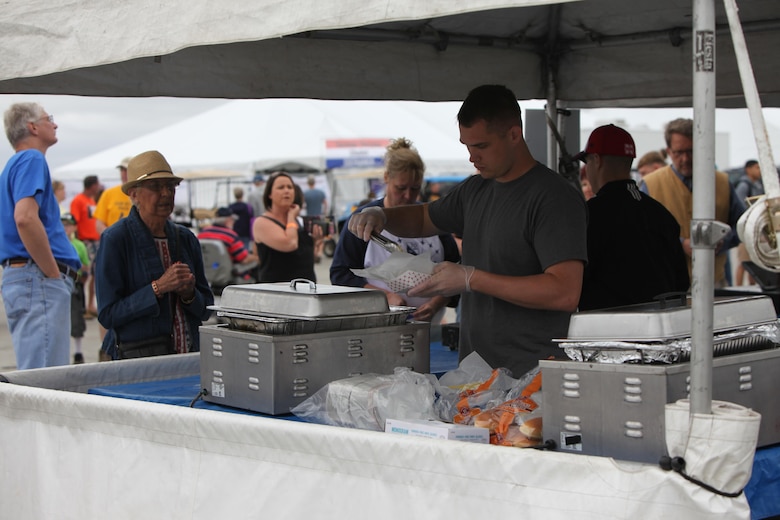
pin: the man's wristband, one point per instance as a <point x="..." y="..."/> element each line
<point x="189" y="300"/>
<point x="156" y="289"/>
<point x="468" y="272"/>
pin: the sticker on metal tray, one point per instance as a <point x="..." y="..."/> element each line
<point x="217" y="389"/>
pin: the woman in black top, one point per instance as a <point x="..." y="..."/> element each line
<point x="286" y="250"/>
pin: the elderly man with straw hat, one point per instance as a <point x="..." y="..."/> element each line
<point x="151" y="285"/>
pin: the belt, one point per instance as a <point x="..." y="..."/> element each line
<point x="64" y="268"/>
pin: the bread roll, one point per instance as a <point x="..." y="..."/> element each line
<point x="521" y="441"/>
<point x="532" y="428"/>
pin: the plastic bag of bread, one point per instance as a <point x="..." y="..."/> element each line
<point x="474" y="386"/>
<point x="471" y="401"/>
<point x="471" y="372"/>
<point x="518" y="421"/>
<point x="366" y="401"/>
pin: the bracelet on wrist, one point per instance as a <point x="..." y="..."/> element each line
<point x="292" y="225"/>
<point x="468" y="272"/>
<point x="156" y="288"/>
<point x="187" y="301"/>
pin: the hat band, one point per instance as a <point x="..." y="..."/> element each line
<point x="145" y="175"/>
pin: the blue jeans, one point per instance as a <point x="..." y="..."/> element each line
<point x="38" y="312"/>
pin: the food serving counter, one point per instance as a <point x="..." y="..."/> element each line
<point x="67" y="454"/>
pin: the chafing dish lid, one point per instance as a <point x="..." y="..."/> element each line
<point x="650" y="322"/>
<point x="302" y="298"/>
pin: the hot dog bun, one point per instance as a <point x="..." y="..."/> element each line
<point x="532" y="428"/>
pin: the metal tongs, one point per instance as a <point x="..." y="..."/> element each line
<point x="386" y="244"/>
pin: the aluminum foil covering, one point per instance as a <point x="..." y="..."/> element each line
<point x="757" y="337"/>
<point x="303" y="325"/>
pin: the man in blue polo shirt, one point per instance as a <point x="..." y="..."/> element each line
<point x="39" y="264"/>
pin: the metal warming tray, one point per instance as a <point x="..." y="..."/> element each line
<point x="303" y="307"/>
<point x="617" y="410"/>
<point x="652" y="322"/>
<point x="285" y="341"/>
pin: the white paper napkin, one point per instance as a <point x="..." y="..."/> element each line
<point x="401" y="271"/>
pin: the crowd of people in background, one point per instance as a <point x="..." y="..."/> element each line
<point x="514" y="245"/>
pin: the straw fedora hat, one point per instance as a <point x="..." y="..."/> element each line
<point x="147" y="166"/>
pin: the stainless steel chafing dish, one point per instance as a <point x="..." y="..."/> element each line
<point x="629" y="362"/>
<point x="284" y="341"/>
<point x="302" y="307"/>
<point x="659" y="332"/>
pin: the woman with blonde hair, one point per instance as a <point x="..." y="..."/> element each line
<point x="404" y="170"/>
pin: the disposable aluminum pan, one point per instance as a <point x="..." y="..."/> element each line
<point x="274" y="325"/>
<point x="661" y="333"/>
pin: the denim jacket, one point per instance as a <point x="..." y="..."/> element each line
<point x="126" y="263"/>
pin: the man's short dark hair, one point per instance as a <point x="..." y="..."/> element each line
<point x="495" y="104"/>
<point x="750" y="163"/>
<point x="89" y="181"/>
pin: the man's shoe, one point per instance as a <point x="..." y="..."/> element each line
<point x="78" y="358"/>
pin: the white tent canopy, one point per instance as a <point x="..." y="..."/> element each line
<point x="594" y="52"/>
<point x="258" y="134"/>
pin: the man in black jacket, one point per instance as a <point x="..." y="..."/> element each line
<point x="634" y="250"/>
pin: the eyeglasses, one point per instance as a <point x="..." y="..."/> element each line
<point x="49" y="118"/>
<point x="680" y="153"/>
<point x="158" y="186"/>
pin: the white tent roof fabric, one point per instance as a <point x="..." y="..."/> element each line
<point x="258" y="134"/>
<point x="598" y="52"/>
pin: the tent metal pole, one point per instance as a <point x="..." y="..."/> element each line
<point x="753" y="101"/>
<point x="552" y="103"/>
<point x="703" y="226"/>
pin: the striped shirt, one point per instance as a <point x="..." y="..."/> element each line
<point x="234" y="244"/>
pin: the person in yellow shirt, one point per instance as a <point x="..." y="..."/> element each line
<point x="113" y="204"/>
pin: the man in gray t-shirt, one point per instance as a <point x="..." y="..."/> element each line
<point x="256" y="196"/>
<point x="524" y="239"/>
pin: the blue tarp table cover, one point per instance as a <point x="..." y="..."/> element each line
<point x="184" y="390"/>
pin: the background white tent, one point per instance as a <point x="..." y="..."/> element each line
<point x="260" y="134"/>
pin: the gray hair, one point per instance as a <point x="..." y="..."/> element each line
<point x="680" y="126"/>
<point x="16" y="118"/>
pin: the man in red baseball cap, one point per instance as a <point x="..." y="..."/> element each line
<point x="634" y="250"/>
